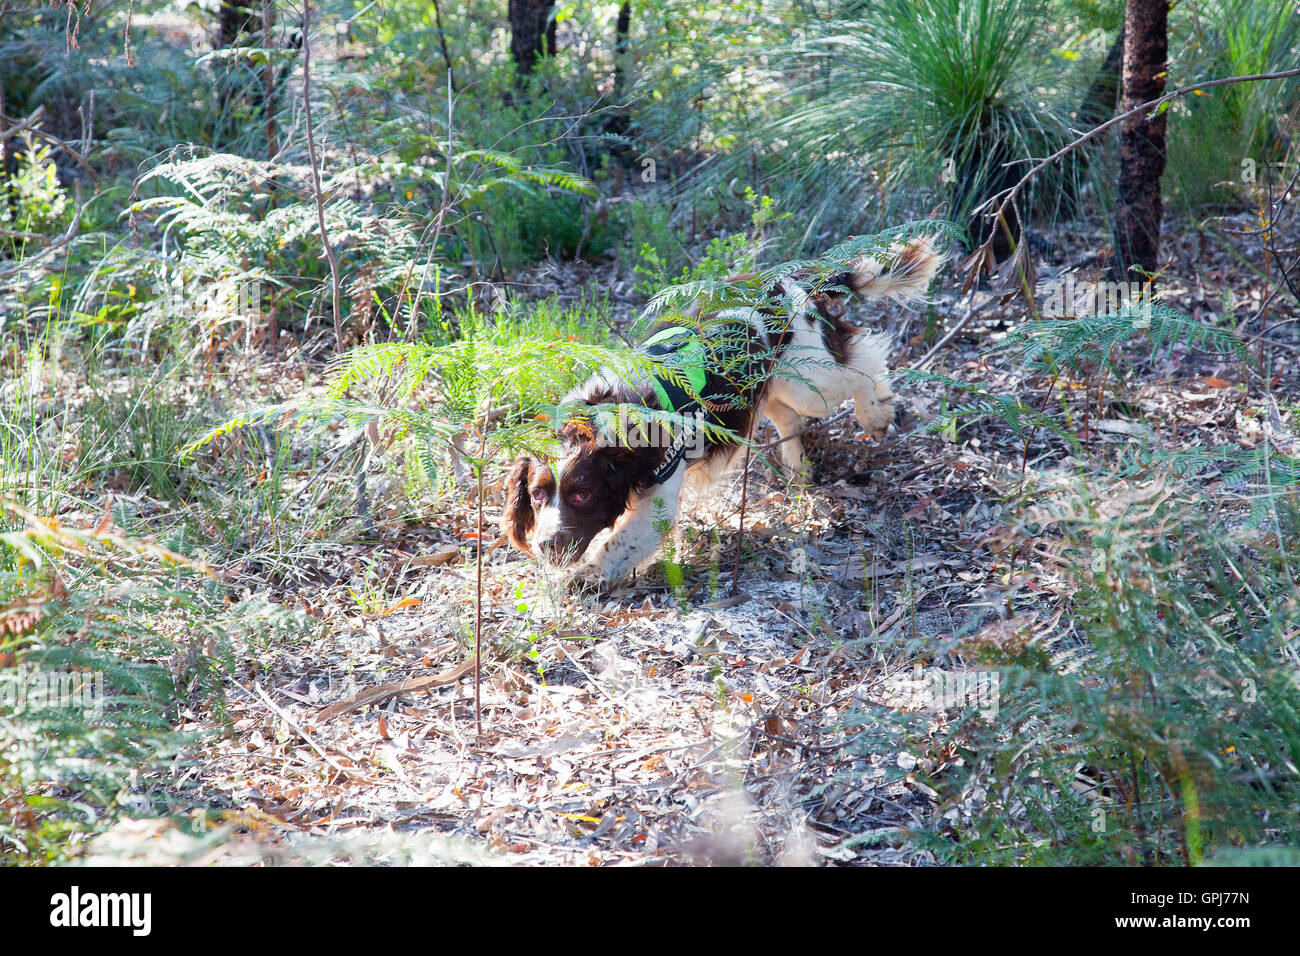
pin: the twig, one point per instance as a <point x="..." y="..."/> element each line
<point x="842" y="414"/>
<point x="384" y="692"/>
<point x="744" y="495"/>
<point x="445" y="204"/>
<point x="478" y="593"/>
<point x="29" y="126"/>
<point x="594" y="683"/>
<point x="268" y="83"/>
<point x="971" y="312"/>
<point x="311" y="741"/>
<point x="315" y="173"/>
<point x="442" y="41"/>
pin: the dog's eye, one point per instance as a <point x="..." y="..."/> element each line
<point x="579" y="497"/>
<point x="539" y="496"/>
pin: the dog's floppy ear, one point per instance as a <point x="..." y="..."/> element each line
<point x="517" y="520"/>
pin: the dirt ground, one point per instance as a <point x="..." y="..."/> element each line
<point x="707" y="725"/>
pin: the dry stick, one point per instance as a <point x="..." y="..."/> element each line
<point x="744" y="494"/>
<point x="1011" y="193"/>
<point x="1269" y="234"/>
<point x="842" y="414"/>
<point x="28" y="125"/>
<point x="1281" y="199"/>
<point x="443" y="206"/>
<point x="1273" y="213"/>
<point x="268" y="103"/>
<point x="268" y="82"/>
<point x="384" y="692"/>
<point x="478" y="583"/>
<point x="315" y="172"/>
<point x="951" y="334"/>
<point x="478" y="602"/>
<point x="311" y="741"/>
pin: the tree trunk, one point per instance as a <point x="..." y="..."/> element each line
<point x="1142" y="149"/>
<point x="532" y="32"/>
<point x="621" y="28"/>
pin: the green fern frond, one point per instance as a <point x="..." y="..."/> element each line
<point x="1069" y="341"/>
<point x="980" y="403"/>
<point x="539" y="175"/>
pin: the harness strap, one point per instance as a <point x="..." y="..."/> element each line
<point x="671" y="463"/>
<point x="681" y="348"/>
<point x="685" y="353"/>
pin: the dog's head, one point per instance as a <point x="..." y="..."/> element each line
<point x="554" y="511"/>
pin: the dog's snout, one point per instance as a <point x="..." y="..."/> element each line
<point x="559" y="548"/>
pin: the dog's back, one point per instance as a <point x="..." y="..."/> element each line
<point x="796" y="356"/>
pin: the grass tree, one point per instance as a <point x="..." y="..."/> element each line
<point x="919" y="91"/>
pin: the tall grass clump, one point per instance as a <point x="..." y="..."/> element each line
<point x="1223" y="38"/>
<point x="103" y="638"/>
<point x="915" y="95"/>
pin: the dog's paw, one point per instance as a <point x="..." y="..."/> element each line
<point x="599" y="575"/>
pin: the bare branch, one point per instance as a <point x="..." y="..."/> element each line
<point x="1008" y="196"/>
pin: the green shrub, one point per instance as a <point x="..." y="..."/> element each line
<point x="905" y="96"/>
<point x="1163" y="724"/>
<point x="130" y="630"/>
<point x="1211" y="135"/>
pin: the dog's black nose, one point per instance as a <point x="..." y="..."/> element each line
<point x="559" y="548"/>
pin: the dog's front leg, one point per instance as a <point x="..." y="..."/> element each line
<point x="788" y="424"/>
<point x="638" y="533"/>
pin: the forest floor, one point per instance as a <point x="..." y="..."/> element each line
<point x="710" y="724"/>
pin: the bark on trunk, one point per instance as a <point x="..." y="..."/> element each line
<point x="532" y="32"/>
<point x="1142" y="149"/>
<point x="621" y="28"/>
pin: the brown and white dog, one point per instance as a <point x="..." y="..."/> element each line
<point x="799" y="358"/>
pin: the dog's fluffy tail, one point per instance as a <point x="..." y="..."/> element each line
<point x="904" y="276"/>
